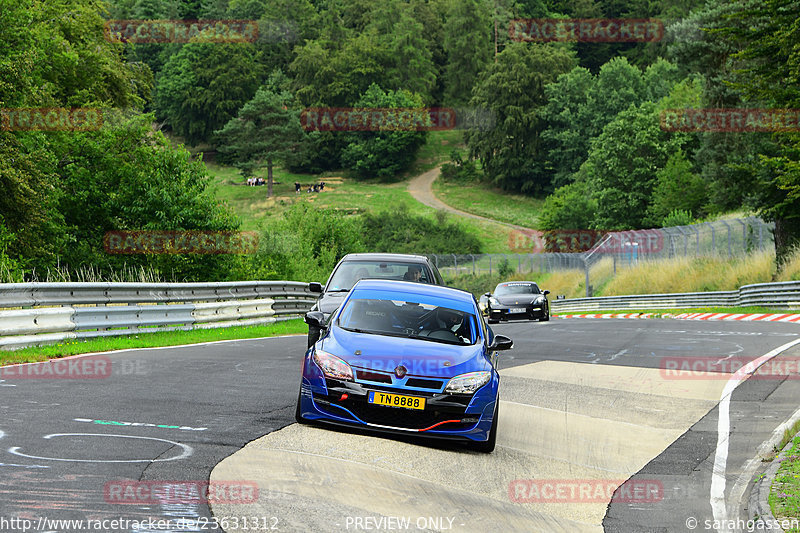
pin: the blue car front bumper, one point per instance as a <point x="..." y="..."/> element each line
<point x="466" y="417"/>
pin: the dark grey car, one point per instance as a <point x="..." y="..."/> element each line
<point x="354" y="267"/>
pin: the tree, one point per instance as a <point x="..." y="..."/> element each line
<point x="265" y="131"/>
<point x="203" y="85"/>
<point x="570" y="117"/>
<point x="569" y="207"/>
<point x="412" y="65"/>
<point x="513" y="89"/>
<point x="768" y="36"/>
<point x="384" y="153"/>
<point x="468" y="44"/>
<point x="622" y="166"/>
<point x="677" y="188"/>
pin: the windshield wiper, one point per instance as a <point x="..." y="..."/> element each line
<point x="357" y="330"/>
<point x="339" y="290"/>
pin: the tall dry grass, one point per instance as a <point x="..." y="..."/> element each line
<point x="692" y="274"/>
<point x="790" y="271"/>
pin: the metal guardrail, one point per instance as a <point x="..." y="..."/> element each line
<point x="40" y="313"/>
<point x="781" y="295"/>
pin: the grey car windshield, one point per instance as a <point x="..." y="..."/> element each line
<point x="409" y="319"/>
<point x="517" y="288"/>
<point x="350" y="272"/>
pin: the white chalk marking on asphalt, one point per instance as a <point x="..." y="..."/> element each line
<point x="717" y="494"/>
<point x="187" y="450"/>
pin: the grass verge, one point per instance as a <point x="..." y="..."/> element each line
<point x="150" y="340"/>
<point x="490" y="202"/>
<point x="784" y="494"/>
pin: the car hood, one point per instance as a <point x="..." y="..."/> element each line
<point x="513" y="299"/>
<point x="330" y="301"/>
<point x="420" y="357"/>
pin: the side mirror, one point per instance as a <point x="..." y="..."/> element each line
<point x="546" y="293"/>
<point x="316" y="319"/>
<point x="501" y="342"/>
<point x="488" y="294"/>
<point x="315" y="287"/>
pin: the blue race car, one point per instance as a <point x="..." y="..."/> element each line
<point x="405" y="357"/>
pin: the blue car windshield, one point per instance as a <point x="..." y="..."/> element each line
<point x="410" y="319"/>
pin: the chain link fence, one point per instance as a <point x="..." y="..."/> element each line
<point x="582" y="249"/>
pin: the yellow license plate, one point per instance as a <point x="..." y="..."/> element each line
<point x="396" y="400"/>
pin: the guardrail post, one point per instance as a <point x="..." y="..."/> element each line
<point x="490" y="264"/>
<point x="455" y="263"/>
<point x="473" y="264"/>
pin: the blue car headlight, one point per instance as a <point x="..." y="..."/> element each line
<point x="468" y="383"/>
<point x="332" y="366"/>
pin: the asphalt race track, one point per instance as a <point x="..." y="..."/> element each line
<point x="586" y="412"/>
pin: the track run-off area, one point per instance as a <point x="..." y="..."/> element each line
<point x="594" y="435"/>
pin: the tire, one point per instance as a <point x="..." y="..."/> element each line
<point x="545" y="317"/>
<point x="488" y="445"/>
<point x="492" y="321"/>
<point x="297" y="416"/>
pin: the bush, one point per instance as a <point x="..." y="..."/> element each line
<point x="399" y="231"/>
<point x="677" y="217"/>
<point x="306" y="243"/>
<point x="569" y="207"/>
<point x="460" y="171"/>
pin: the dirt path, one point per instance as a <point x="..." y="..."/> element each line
<point x="421" y="189"/>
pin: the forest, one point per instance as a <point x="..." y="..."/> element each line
<point x="578" y="123"/>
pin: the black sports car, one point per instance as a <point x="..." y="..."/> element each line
<point x="517" y="300"/>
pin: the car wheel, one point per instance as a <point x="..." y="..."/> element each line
<point x="297" y="411"/>
<point x="545" y="316"/>
<point x="488" y="445"/>
<point x="492" y="320"/>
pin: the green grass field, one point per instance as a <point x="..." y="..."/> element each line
<point x="480" y="199"/>
<point x="347" y="194"/>
<point x="150" y="340"/>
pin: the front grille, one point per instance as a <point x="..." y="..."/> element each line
<point x="424" y="383"/>
<point x="406" y="418"/>
<point x="366" y="375"/>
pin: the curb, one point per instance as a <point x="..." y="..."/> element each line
<point x="744" y="317"/>
<point x="760" y="512"/>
